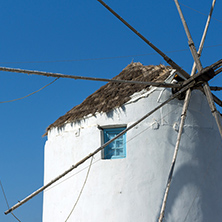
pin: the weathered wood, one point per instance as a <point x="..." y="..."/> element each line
<point x="183" y="117"/>
<point x="97" y="150"/>
<point x="212" y="106"/>
<point x="215" y="88"/>
<point x="165" y="57"/>
<point x="185" y="106"/>
<point x="204" y="35"/>
<point x="59" y="75"/>
<point x="204" y="74"/>
<point x="200" y="68"/>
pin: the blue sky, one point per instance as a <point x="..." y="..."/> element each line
<point x="79" y="38"/>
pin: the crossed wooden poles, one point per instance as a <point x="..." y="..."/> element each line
<point x="207" y="92"/>
<point x="199" y="81"/>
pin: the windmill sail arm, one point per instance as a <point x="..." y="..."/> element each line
<point x="217" y="100"/>
<point x="183" y="89"/>
<point x="215" y="88"/>
<point x="204" y="35"/>
<point x="59" y="75"/>
<point x="165" y="57"/>
<point x="218" y="71"/>
<point x="202" y="77"/>
<point x="176" y="149"/>
<point x="205" y="74"/>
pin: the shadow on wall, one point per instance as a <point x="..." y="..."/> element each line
<point x="110" y="114"/>
<point x="195" y="193"/>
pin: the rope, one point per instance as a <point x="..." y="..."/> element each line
<point x="13" y="100"/>
<point x="97" y="150"/>
<point x="136" y="135"/>
<point x="87" y="175"/>
<point x="7" y="201"/>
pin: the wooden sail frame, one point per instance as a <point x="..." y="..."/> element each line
<point x="196" y="56"/>
<point x="198" y="80"/>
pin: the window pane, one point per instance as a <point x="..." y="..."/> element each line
<point x="117" y="149"/>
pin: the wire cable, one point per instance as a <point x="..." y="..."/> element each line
<point x="7" y="201"/>
<point x="87" y="175"/>
<point x="104" y="58"/>
<point x="199" y="12"/>
<point x="13" y="100"/>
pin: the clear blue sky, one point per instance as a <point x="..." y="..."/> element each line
<point x="79" y="38"/>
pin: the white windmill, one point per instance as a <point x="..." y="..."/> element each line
<point x="187" y="83"/>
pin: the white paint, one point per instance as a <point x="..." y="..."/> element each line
<point x="131" y="189"/>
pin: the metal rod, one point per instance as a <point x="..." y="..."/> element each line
<point x="59" y="75"/>
<point x="191" y="84"/>
<point x="165" y="57"/>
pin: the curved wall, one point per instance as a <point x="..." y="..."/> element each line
<point x="131" y="189"/>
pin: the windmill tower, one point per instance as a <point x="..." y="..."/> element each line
<point x="131" y="188"/>
<point x="134" y="187"/>
<point x="129" y="185"/>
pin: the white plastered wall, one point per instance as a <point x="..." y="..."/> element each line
<point x="131" y="189"/>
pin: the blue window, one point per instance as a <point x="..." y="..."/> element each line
<point x="116" y="149"/>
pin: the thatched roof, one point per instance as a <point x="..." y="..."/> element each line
<point x="114" y="95"/>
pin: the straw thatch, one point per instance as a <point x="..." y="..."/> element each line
<point x="114" y="95"/>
